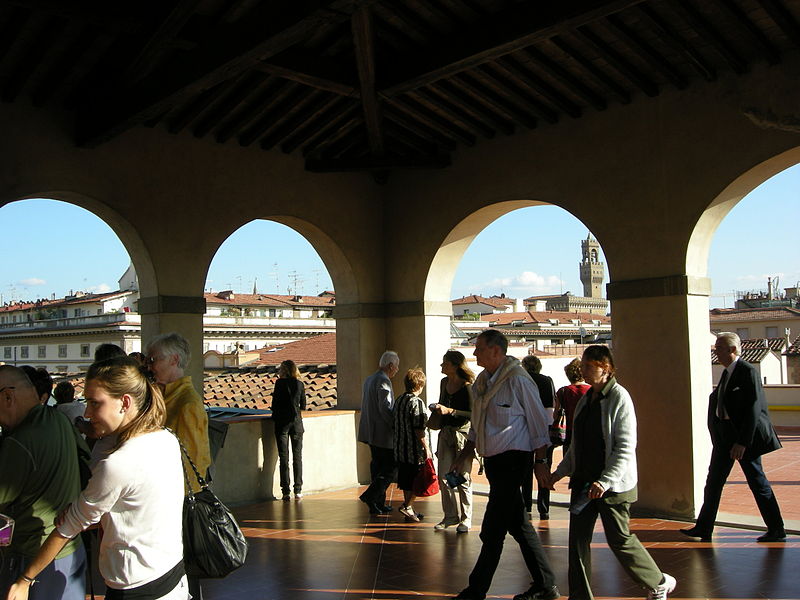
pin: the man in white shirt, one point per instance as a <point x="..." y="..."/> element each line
<point x="509" y="424"/>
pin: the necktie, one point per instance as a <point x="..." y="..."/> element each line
<point x="720" y="391"/>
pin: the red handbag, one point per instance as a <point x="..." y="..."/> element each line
<point x="426" y="483"/>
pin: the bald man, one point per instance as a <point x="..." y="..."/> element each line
<point x="39" y="476"/>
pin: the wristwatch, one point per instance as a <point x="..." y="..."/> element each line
<point x="30" y="580"/>
<point x="540" y="461"/>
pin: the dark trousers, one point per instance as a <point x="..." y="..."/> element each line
<point x="615" y="516"/>
<point x="283" y="433"/>
<point x="718" y="471"/>
<point x="505" y="513"/>
<point x="382" y="470"/>
<point x="542" y="494"/>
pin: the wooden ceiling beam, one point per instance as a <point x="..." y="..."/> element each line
<point x="493" y="37"/>
<point x="617" y="61"/>
<point x="486" y="95"/>
<point x="409" y="138"/>
<point x="161" y="39"/>
<point x="235" y="93"/>
<point x="372" y="162"/>
<point x="34" y="52"/>
<point x="269" y="115"/>
<point x="567" y="79"/>
<point x="364" y="42"/>
<point x="295" y="116"/>
<point x="420" y="130"/>
<point x="770" y="52"/>
<point x="701" y="25"/>
<point x="615" y="89"/>
<point x="345" y="119"/>
<point x="268" y="29"/>
<point x="538" y="85"/>
<point x="432" y="120"/>
<point x="451" y="93"/>
<point x="318" y="149"/>
<point x="114" y="18"/>
<point x="260" y="100"/>
<point x="647" y="53"/>
<point x="783" y="19"/>
<point x="309" y="79"/>
<point x="452" y="112"/>
<point x="334" y="106"/>
<point x="678" y="43"/>
<point x="194" y="108"/>
<point x="504" y="81"/>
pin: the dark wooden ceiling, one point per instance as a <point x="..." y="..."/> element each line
<point x="370" y="85"/>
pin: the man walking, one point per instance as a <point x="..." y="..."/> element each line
<point x="39" y="476"/>
<point x="509" y="424"/>
<point x="375" y="430"/>
<point x="740" y="430"/>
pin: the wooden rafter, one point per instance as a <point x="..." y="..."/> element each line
<point x="364" y="41"/>
<point x="700" y="24"/>
<point x="376" y="162"/>
<point x="771" y="53"/>
<point x="268" y="30"/>
<point x="567" y="79"/>
<point x="616" y="90"/>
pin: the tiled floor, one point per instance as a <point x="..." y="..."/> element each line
<point x="328" y="547"/>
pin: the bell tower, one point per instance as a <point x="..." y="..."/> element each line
<point x="592" y="270"/>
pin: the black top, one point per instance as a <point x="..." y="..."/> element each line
<point x="590" y="458"/>
<point x="458" y="401"/>
<point x="547" y="391"/>
<point x="288" y="400"/>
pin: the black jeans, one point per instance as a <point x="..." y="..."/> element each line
<point x="382" y="469"/>
<point x="542" y="494"/>
<point x="283" y="433"/>
<point x="505" y="513"/>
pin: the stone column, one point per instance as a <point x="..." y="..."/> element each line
<point x="667" y="371"/>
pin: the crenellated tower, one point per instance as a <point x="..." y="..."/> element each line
<point x="592" y="270"/>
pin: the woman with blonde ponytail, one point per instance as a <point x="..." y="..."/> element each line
<point x="135" y="493"/>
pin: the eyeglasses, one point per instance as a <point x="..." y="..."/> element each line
<point x="152" y="359"/>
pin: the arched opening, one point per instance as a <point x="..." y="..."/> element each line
<point x="744" y="239"/>
<point x="507" y="265"/>
<point x="73" y="274"/>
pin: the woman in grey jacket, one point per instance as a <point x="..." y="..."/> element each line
<point x="601" y="465"/>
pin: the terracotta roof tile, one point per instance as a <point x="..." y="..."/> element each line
<point x="316" y="350"/>
<point x="325" y="301"/>
<point x="718" y="315"/>
<point x="565" y="318"/>
<point x="495" y="301"/>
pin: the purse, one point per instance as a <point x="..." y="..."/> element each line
<point x="426" y="483"/>
<point x="213" y="544"/>
<point x="558" y="428"/>
<point x="434" y="421"/>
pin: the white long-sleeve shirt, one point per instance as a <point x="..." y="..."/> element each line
<point x="136" y="493"/>
<point x="515" y="418"/>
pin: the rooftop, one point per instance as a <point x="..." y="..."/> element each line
<point x="719" y="315"/>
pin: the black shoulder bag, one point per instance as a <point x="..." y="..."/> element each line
<point x="213" y="544"/>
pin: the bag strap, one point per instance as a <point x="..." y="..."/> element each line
<point x="200" y="479"/>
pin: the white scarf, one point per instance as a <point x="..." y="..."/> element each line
<point x="509" y="368"/>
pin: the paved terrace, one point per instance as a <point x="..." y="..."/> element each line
<point x="328" y="547"/>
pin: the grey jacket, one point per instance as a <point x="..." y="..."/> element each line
<point x="619" y="433"/>
<point x="377" y="401"/>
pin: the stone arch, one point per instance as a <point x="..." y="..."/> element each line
<point x="124" y="230"/>
<point x="703" y="233"/>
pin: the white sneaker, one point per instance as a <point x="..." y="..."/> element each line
<point x="664" y="588"/>
<point x="298" y="496"/>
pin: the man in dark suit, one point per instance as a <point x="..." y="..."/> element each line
<point x="740" y="430"/>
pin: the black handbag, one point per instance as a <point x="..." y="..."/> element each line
<point x="213" y="544"/>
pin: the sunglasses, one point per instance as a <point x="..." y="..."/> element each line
<point x="6" y="530"/>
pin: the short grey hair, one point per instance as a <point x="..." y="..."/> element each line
<point x="733" y="341"/>
<point x="389" y="358"/>
<point x="492" y="337"/>
<point x="172" y="343"/>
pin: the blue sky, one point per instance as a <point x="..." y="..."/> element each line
<point x="52" y="248"/>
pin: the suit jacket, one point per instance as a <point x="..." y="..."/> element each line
<point x="746" y="406"/>
<point x="377" y="402"/>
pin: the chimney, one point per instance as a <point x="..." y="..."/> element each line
<point x="769" y="288"/>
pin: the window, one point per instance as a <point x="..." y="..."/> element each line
<point x="772" y="332"/>
<point x="62" y="351"/>
<point x="6" y="352"/>
<point x="271" y="312"/>
<point x="743" y="333"/>
<point x="84" y="350"/>
<point x="76" y="312"/>
<point x="42" y="352"/>
<point x="23" y="352"/>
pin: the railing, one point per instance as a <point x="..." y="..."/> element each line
<point x="72" y="322"/>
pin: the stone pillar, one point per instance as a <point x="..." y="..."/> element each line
<point x="667" y="371"/>
<point x="182" y="314"/>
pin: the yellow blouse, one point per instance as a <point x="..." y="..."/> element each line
<point x="186" y="416"/>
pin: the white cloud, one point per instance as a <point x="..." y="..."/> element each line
<point x="99" y="289"/>
<point x="33" y="281"/>
<point x="526" y="283"/>
<point x="759" y="278"/>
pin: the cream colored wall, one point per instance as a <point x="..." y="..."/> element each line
<point x="246" y="468"/>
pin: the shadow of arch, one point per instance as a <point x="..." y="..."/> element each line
<point x="127" y="233"/>
<point x="703" y="233"/>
